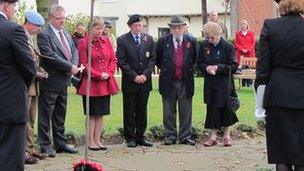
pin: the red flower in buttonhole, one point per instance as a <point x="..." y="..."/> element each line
<point x="207" y="51"/>
<point x="85" y="165"/>
<point x="188" y="45"/>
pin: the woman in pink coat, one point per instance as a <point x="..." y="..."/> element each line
<point x="103" y="83"/>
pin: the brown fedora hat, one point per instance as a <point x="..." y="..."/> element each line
<point x="177" y="21"/>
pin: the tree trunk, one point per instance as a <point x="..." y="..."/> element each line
<point x="234" y="16"/>
<point x="204" y="11"/>
<point x="54" y="2"/>
<point x="43" y="7"/>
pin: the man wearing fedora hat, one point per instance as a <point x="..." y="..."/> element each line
<point x="17" y="70"/>
<point x="135" y="52"/>
<point x="175" y="57"/>
<point x="32" y="26"/>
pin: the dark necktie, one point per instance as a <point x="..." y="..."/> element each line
<point x="179" y="45"/>
<point x="137" y="41"/>
<point x="65" y="46"/>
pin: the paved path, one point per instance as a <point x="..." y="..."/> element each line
<point x="245" y="155"/>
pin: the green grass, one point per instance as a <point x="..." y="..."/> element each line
<point x="75" y="118"/>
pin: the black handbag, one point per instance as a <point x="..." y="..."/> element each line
<point x="233" y="102"/>
<point x="76" y="80"/>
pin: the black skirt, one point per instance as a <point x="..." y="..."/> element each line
<point x="99" y="106"/>
<point x="218" y="117"/>
<point x="285" y="136"/>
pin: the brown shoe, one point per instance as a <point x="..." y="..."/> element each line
<point x="30" y="160"/>
<point x="38" y="155"/>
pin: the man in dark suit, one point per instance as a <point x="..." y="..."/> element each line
<point x="17" y="70"/>
<point x="175" y="56"/>
<point x="135" y="52"/>
<point x="55" y="42"/>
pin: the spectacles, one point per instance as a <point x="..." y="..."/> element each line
<point x="59" y="18"/>
<point x="210" y="37"/>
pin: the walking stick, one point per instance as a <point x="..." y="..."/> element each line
<point x="88" y="82"/>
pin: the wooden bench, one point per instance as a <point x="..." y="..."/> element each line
<point x="249" y="73"/>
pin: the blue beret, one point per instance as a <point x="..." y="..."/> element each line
<point x="134" y="18"/>
<point x="34" y="18"/>
<point x="10" y="1"/>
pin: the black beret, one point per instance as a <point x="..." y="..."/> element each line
<point x="134" y="18"/>
<point x="10" y="1"/>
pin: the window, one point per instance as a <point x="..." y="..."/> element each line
<point x="163" y="31"/>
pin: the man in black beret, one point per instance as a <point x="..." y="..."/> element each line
<point x="135" y="52"/>
<point x="17" y="70"/>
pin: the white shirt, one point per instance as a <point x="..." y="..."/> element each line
<point x="1" y="13"/>
<point x="134" y="37"/>
<point x="56" y="31"/>
<point x="175" y="42"/>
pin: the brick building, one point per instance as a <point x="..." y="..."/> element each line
<point x="255" y="12"/>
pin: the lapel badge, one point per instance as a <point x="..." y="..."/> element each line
<point x="145" y="38"/>
<point x="168" y="45"/>
<point x="188" y="45"/>
<point x="147" y="54"/>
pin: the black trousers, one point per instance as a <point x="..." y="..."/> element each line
<point x="52" y="110"/>
<point x="135" y="115"/>
<point x="12" y="146"/>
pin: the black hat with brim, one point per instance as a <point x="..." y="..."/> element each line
<point x="177" y="21"/>
<point x="134" y="18"/>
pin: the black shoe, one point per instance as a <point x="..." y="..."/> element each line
<point x="169" y="141"/>
<point x="103" y="148"/>
<point x="68" y="149"/>
<point x="49" y="152"/>
<point x="188" y="142"/>
<point x="144" y="142"/>
<point x="131" y="144"/>
<point x="94" y="148"/>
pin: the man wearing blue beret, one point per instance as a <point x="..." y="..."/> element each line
<point x="32" y="26"/>
<point x="17" y="70"/>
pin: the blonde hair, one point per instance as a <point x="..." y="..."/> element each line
<point x="246" y="22"/>
<point x="291" y="6"/>
<point x="97" y="21"/>
<point x="212" y="28"/>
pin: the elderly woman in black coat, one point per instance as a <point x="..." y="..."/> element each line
<point x="216" y="59"/>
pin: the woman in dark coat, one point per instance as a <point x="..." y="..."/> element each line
<point x="216" y="57"/>
<point x="280" y="66"/>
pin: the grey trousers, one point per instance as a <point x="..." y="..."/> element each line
<point x="178" y="96"/>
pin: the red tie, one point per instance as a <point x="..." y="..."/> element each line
<point x="65" y="46"/>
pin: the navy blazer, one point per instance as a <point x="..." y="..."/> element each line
<point x="280" y="62"/>
<point x="134" y="61"/>
<point x="58" y="67"/>
<point x="165" y="62"/>
<point x="225" y="60"/>
<point x="17" y="71"/>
